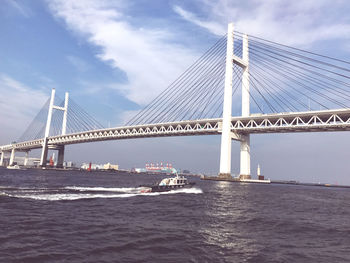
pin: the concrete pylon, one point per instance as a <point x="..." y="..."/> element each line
<point x="60" y="158"/>
<point x="65" y="112"/>
<point x="25" y="163"/>
<point x="245" y="158"/>
<point x="227" y="135"/>
<point x="225" y="153"/>
<point x="245" y="142"/>
<point x="2" y="158"/>
<point x="12" y="157"/>
<point x="44" y="150"/>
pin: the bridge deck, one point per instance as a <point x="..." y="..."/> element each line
<point x="310" y="121"/>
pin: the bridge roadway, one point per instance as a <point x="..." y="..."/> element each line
<point x="288" y="122"/>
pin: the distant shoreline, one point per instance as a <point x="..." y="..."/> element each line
<point x="208" y="178"/>
<point x="215" y="178"/>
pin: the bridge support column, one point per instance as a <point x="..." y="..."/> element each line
<point x="245" y="158"/>
<point x="60" y="158"/>
<point x="2" y="158"/>
<point x="26" y="158"/>
<point x="44" y="151"/>
<point x="43" y="159"/>
<point x="225" y="153"/>
<point x="245" y="142"/>
<point x="12" y="157"/>
<point x="65" y="113"/>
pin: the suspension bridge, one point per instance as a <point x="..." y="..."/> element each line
<point x="241" y="85"/>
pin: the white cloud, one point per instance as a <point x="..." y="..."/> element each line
<point x="18" y="106"/>
<point x="298" y="23"/>
<point x="213" y="27"/>
<point x="150" y="61"/>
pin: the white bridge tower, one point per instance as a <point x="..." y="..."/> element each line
<point x="227" y="135"/>
<point x="60" y="148"/>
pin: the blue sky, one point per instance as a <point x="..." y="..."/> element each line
<point x="115" y="56"/>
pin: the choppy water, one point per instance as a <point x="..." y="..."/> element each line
<point x="52" y="216"/>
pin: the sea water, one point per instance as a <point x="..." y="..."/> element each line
<point x="73" y="216"/>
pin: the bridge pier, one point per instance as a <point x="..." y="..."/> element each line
<point x="245" y="158"/>
<point x="44" y="151"/>
<point x="25" y="163"/>
<point x="225" y="153"/>
<point x="12" y="157"/>
<point x="245" y="142"/>
<point x="2" y="158"/>
<point x="43" y="159"/>
<point x="226" y="134"/>
<point x="60" y="158"/>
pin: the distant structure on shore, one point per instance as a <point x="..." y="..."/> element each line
<point x="25" y="161"/>
<point x="93" y="166"/>
<point x="69" y="164"/>
<point x="156" y="168"/>
<point x="260" y="177"/>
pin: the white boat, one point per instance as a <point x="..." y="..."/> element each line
<point x="168" y="184"/>
<point x="16" y="166"/>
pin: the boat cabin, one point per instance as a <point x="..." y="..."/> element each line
<point x="178" y="180"/>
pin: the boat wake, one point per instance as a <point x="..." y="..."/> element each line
<point x="77" y="193"/>
<point x="103" y="189"/>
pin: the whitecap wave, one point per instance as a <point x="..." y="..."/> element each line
<point x="76" y="196"/>
<point x="64" y="196"/>
<point x="103" y="189"/>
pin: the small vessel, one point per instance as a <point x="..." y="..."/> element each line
<point x="168" y="184"/>
<point x="13" y="166"/>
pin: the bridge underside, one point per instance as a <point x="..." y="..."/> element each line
<point x="311" y="121"/>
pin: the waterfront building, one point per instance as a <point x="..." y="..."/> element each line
<point x="93" y="166"/>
